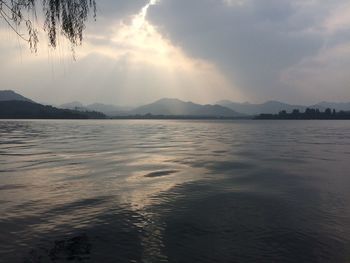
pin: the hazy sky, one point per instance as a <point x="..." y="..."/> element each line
<point x="138" y="51"/>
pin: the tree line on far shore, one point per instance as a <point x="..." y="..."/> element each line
<point x="309" y="114"/>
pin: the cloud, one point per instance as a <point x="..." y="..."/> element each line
<point x="253" y="42"/>
<point x="339" y="19"/>
<point x="201" y="50"/>
<point x="122" y="80"/>
<point x="131" y="64"/>
<point x="325" y="75"/>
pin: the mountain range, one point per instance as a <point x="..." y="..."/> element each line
<point x="176" y="107"/>
<point x="223" y="108"/>
<point x="15" y="106"/>
<point x="274" y="107"/>
<point x="109" y="110"/>
<point x="269" y="107"/>
<point x="162" y="107"/>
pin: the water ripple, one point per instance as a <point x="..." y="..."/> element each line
<point x="174" y="191"/>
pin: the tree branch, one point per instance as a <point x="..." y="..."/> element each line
<point x="5" y="17"/>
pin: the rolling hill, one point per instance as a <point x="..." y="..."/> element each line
<point x="15" y="106"/>
<point x="8" y="95"/>
<point x="176" y="107"/>
<point x="269" y="107"/>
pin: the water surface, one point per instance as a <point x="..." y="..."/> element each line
<point x="174" y="191"/>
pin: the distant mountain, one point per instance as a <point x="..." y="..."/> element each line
<point x="109" y="110"/>
<point x="75" y="105"/>
<point x="176" y="107"/>
<point x="274" y="107"/>
<point x="16" y="109"/>
<point x="269" y="107"/>
<point x="338" y="106"/>
<point x="8" y="95"/>
<point x="16" y="106"/>
<point x="166" y="107"/>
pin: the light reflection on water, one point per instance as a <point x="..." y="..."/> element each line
<point x="174" y="191"/>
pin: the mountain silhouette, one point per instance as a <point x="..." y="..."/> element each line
<point x="75" y="105"/>
<point x="8" y="95"/>
<point x="165" y="107"/>
<point x="107" y="109"/>
<point x="176" y="107"/>
<point x="269" y="107"/>
<point x="16" y="109"/>
<point x="15" y="106"/>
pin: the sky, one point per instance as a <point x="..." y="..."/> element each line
<point x="138" y="51"/>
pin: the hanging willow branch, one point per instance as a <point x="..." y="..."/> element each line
<point x="66" y="17"/>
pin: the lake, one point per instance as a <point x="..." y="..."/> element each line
<point x="174" y="191"/>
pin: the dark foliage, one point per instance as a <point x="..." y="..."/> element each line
<point x="309" y="114"/>
<point x="30" y="110"/>
<point x="67" y="17"/>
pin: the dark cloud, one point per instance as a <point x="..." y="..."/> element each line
<point x="253" y="41"/>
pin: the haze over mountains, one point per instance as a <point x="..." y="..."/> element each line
<point x="339" y="106"/>
<point x="273" y="107"/>
<point x="223" y="108"/>
<point x="176" y="107"/>
<point x="162" y="107"/>
<point x="180" y="108"/>
<point x="110" y="110"/>
<point x="269" y="107"/>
